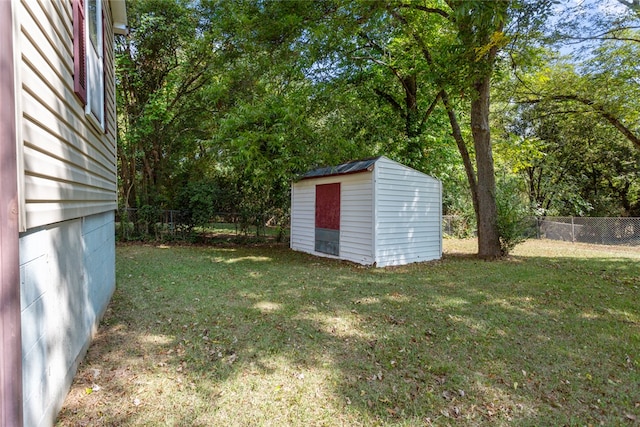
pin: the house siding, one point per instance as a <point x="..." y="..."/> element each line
<point x="68" y="195"/>
<point x="408" y="215"/>
<point x="69" y="167"/>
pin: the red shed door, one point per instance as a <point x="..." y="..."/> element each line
<point x="327" y="239"/>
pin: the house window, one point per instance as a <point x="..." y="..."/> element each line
<point x="89" y="58"/>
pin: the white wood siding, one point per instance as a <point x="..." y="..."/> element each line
<point x="356" y="230"/>
<point x="303" y="201"/>
<point x="408" y="215"/>
<point x="69" y="166"/>
<point x="356" y="218"/>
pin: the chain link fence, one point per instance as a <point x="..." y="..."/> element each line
<point x="458" y="226"/>
<point x="602" y="231"/>
<point x="160" y="224"/>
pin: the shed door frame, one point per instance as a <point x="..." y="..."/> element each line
<point x="327" y="218"/>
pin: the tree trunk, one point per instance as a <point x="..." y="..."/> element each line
<point x="412" y="121"/>
<point x="487" y="214"/>
<point x="462" y="148"/>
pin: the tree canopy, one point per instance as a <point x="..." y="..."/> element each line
<point x="234" y="99"/>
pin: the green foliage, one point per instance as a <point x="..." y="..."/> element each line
<point x="201" y="200"/>
<point x="148" y="218"/>
<point x="513" y="214"/>
<point x="574" y="162"/>
<point x="164" y="72"/>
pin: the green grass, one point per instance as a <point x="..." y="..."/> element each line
<point x="203" y="336"/>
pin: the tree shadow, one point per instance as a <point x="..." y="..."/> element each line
<point x="458" y="341"/>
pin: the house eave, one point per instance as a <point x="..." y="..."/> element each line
<point x="119" y="12"/>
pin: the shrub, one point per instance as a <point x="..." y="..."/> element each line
<point x="148" y="218"/>
<point x="513" y="212"/>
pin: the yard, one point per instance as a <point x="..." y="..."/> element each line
<point x="261" y="335"/>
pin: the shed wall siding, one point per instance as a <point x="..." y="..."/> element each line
<point x="303" y="211"/>
<point x="356" y="231"/>
<point x="69" y="166"/>
<point x="408" y="215"/>
<point x="356" y="235"/>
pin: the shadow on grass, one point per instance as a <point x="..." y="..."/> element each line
<point x="266" y="336"/>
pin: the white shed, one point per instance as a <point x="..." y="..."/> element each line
<point x="373" y="211"/>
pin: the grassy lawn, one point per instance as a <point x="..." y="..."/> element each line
<point x="239" y="336"/>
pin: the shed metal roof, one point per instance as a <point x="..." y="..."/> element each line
<point x="354" y="166"/>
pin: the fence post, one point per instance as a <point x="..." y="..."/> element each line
<point x="573" y="231"/>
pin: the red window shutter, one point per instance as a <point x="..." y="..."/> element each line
<point x="79" y="52"/>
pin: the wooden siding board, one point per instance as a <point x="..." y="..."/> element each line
<point x="50" y="33"/>
<point x="358" y="227"/>
<point x="42" y="146"/>
<point x="110" y="82"/>
<point x="394" y="222"/>
<point x="54" y="110"/>
<point x="417" y="228"/>
<point x="46" y="163"/>
<point x="302" y="218"/>
<point x="49" y="213"/>
<point x="414" y="243"/>
<point x="402" y="231"/>
<point x="390" y="258"/>
<point x="64" y="11"/>
<point x="44" y="139"/>
<point x="392" y="200"/>
<point x="356" y="236"/>
<point x="356" y="216"/>
<point x="46" y="189"/>
<point x="59" y="99"/>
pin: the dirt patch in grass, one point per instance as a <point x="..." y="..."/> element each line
<point x="262" y="335"/>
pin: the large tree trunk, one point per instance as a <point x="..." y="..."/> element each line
<point x="487" y="213"/>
